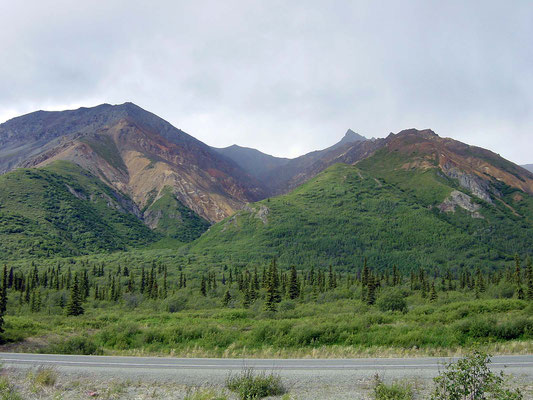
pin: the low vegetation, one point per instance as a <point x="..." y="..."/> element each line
<point x="471" y="379"/>
<point x="8" y="390"/>
<point x="131" y="306"/>
<point x="394" y="391"/>
<point x="251" y="385"/>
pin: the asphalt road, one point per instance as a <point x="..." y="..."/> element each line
<point x="340" y="379"/>
<point x="522" y="362"/>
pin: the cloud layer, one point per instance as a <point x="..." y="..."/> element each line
<point x="285" y="77"/>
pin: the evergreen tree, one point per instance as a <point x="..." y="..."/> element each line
<point x="364" y="278"/>
<point x="529" y="280"/>
<point x="480" y="282"/>
<point x="3" y="292"/>
<point x="74" y="306"/>
<point x="294" y="287"/>
<point x="272" y="287"/>
<point x="371" y="293"/>
<point x="227" y="298"/>
<point x="203" y="288"/>
<point x="517" y="272"/>
<point x="433" y="293"/>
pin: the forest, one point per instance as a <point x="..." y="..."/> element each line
<point x="139" y="303"/>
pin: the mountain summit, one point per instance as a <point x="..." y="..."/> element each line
<point x="349" y="137"/>
<point x="134" y="152"/>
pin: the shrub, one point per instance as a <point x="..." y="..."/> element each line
<point x="175" y="304"/>
<point x="287" y="305"/>
<point x="395" y="391"/>
<point x="8" y="391"/>
<point x="44" y="376"/>
<point x="392" y="300"/>
<point x="248" y="385"/>
<point x="76" y="345"/>
<point x="132" y="300"/>
<point x="471" y="379"/>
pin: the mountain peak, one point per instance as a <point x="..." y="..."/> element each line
<point x="351" y="136"/>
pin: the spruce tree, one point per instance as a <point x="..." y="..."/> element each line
<point x="371" y="294"/>
<point x="74" y="306"/>
<point x="529" y="280"/>
<point x="203" y="288"/>
<point x="433" y="293"/>
<point x="294" y="287"/>
<point x="272" y="287"/>
<point x="3" y="292"/>
<point x="227" y="298"/>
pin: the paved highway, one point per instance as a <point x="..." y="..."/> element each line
<point x="524" y="362"/>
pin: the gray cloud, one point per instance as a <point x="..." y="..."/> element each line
<point x="284" y="77"/>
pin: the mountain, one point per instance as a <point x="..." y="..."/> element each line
<point x="349" y="138"/>
<point x="135" y="153"/>
<point x="256" y="163"/>
<point x="62" y="209"/>
<point x="529" y="167"/>
<point x="417" y="200"/>
<point x="280" y="175"/>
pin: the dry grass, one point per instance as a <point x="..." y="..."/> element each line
<point x="506" y="348"/>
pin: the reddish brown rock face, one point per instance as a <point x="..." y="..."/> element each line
<point x="140" y="154"/>
<point x="473" y="167"/>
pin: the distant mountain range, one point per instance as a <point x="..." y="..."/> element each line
<point x="175" y="185"/>
<point x="529" y="167"/>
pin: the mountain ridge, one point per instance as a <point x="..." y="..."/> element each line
<point x="133" y="151"/>
<point x="180" y="185"/>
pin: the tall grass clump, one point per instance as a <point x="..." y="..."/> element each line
<point x="394" y="391"/>
<point x="44" y="376"/>
<point x="249" y="385"/>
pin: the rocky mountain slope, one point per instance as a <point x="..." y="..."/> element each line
<point x="529" y="167"/>
<point x="417" y="200"/>
<point x="136" y="153"/>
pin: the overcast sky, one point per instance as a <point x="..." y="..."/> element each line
<point x="285" y="77"/>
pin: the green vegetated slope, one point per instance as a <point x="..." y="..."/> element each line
<point x="62" y="209"/>
<point x="376" y="211"/>
<point x="175" y="219"/>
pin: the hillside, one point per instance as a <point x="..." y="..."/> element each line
<point x="529" y="167"/>
<point x="133" y="151"/>
<point x="63" y="210"/>
<point x="418" y="201"/>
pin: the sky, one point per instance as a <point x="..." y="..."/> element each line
<point x="285" y="77"/>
